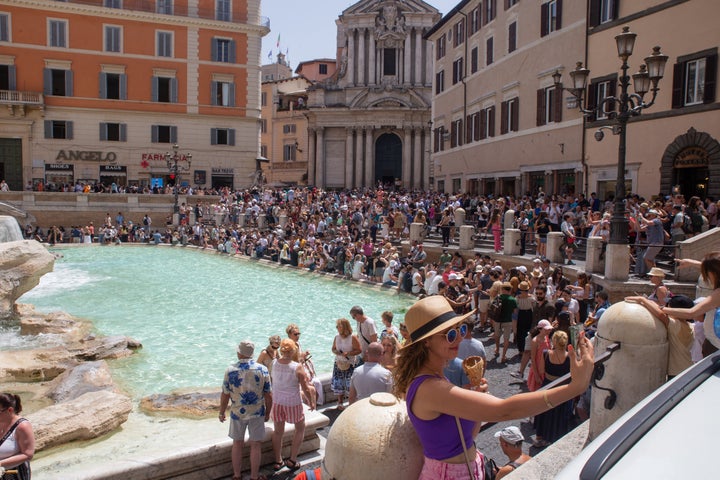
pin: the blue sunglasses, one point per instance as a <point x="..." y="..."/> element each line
<point x="452" y="334"/>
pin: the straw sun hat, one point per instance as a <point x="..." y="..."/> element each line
<point x="429" y="316"/>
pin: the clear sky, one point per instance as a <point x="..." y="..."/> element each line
<point x="307" y="29"/>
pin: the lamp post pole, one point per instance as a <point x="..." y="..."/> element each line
<point x="618" y="110"/>
<point x="172" y="159"/>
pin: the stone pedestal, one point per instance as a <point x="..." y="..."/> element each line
<point x="262" y="221"/>
<point x="176" y="219"/>
<point x="373" y="438"/>
<point x="283" y="221"/>
<point x="241" y="220"/>
<point x="511" y="246"/>
<point x="218" y="218"/>
<point x="416" y="232"/>
<point x="509" y="219"/>
<point x="466" y="237"/>
<point x="636" y="369"/>
<point x="617" y="262"/>
<point x="593" y="263"/>
<point x="192" y="218"/>
<point x="554" y="241"/>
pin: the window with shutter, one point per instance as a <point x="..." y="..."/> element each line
<point x="602" y="11"/>
<point x="474" y="53"/>
<point x="489" y="51"/>
<point x="541" y="115"/>
<point x="113" y="38"/>
<point x="550" y="17"/>
<point x="512" y="37"/>
<point x="504" y="118"/>
<point x="4" y="27"/>
<point x="57" y="33"/>
<point x="694" y="79"/>
<point x="164" y="42"/>
<point x="439" y="82"/>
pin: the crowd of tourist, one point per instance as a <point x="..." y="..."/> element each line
<point x="537" y="308"/>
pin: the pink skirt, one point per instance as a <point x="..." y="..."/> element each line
<point x="439" y="470"/>
<point x="287" y="413"/>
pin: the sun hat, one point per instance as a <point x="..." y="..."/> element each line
<point x="656" y="272"/>
<point x="524" y="286"/>
<point x="510" y="435"/>
<point x="430" y="315"/>
<point x="507" y="286"/>
<point x="536" y="273"/>
<point x="545" y="325"/>
<point x="246" y="348"/>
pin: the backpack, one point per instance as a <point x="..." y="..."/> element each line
<point x="687" y="226"/>
<point x="495" y="308"/>
<point x="697" y="221"/>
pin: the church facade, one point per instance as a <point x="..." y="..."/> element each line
<point x="368" y="124"/>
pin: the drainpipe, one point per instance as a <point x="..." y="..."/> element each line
<point x="583" y="160"/>
<point x="464" y="77"/>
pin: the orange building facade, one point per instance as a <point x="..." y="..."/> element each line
<point x="99" y="91"/>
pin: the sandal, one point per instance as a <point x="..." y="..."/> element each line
<point x="278" y="466"/>
<point x="292" y="464"/>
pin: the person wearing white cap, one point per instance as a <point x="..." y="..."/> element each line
<point x="511" y="440"/>
<point x="247" y="384"/>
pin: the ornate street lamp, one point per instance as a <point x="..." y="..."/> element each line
<point x="175" y="167"/>
<point x="619" y="110"/>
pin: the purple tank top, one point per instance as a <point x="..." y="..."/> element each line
<point x="439" y="437"/>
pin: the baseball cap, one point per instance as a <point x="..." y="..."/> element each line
<point x="510" y="434"/>
<point x="544" y="324"/>
<point x="246" y="348"/>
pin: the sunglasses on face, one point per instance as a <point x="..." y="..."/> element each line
<point x="452" y="334"/>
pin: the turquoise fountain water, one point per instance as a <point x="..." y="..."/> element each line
<point x="190" y="309"/>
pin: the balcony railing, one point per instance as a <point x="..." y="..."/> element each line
<point x="14" y="97"/>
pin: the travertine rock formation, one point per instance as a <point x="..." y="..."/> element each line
<point x="86" y="417"/>
<point x="195" y="404"/>
<point x="22" y="263"/>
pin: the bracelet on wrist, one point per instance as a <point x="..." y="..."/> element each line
<point x="547" y="400"/>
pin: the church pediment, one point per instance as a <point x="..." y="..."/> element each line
<point x="383" y="98"/>
<point x="366" y="7"/>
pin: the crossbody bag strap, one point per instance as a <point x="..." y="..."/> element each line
<point x="465" y="450"/>
<point x="11" y="430"/>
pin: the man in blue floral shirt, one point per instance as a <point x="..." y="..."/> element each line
<point x="247" y="384"/>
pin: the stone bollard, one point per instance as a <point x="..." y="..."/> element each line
<point x="218" y="218"/>
<point x="241" y="220"/>
<point x="283" y="221"/>
<point x="191" y="218"/>
<point x="466" y="237"/>
<point x="617" y="262"/>
<point x="373" y="438"/>
<point x="416" y="232"/>
<point x="554" y="242"/>
<point x="636" y="369"/>
<point x="509" y="219"/>
<point x="511" y="245"/>
<point x="593" y="263"/>
<point x="460" y="217"/>
<point x="262" y="221"/>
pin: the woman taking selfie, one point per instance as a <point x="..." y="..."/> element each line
<point x="439" y="411"/>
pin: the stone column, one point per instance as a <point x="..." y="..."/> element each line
<point x="427" y="158"/>
<point x="348" y="157"/>
<point x="416" y="232"/>
<point x="406" y="158"/>
<point x="554" y="240"/>
<point x="511" y="245"/>
<point x="466" y="237"/>
<point x="407" y="56"/>
<point x="617" y="262"/>
<point x="417" y="161"/>
<point x="418" y="57"/>
<point x="508" y="219"/>
<point x="638" y="368"/>
<point x="427" y="51"/>
<point x="350" y="73"/>
<point x="320" y="167"/>
<point x="593" y="263"/>
<point x="372" y="59"/>
<point x="460" y="215"/>
<point x="311" y="156"/>
<point x="262" y="221"/>
<point x="548" y="187"/>
<point x="369" y="156"/>
<point x="358" y="181"/>
<point x="361" y="57"/>
<point x="241" y="219"/>
<point x="283" y="221"/>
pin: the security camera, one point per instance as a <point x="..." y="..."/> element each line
<point x="599" y="135"/>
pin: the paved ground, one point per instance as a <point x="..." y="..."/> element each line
<point x="502" y="384"/>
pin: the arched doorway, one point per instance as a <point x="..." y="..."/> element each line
<point x="692" y="162"/>
<point x="388" y="159"/>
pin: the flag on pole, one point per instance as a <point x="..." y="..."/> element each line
<point x="278" y="41"/>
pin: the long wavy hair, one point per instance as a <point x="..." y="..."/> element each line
<point x="711" y="264"/>
<point x="410" y="360"/>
